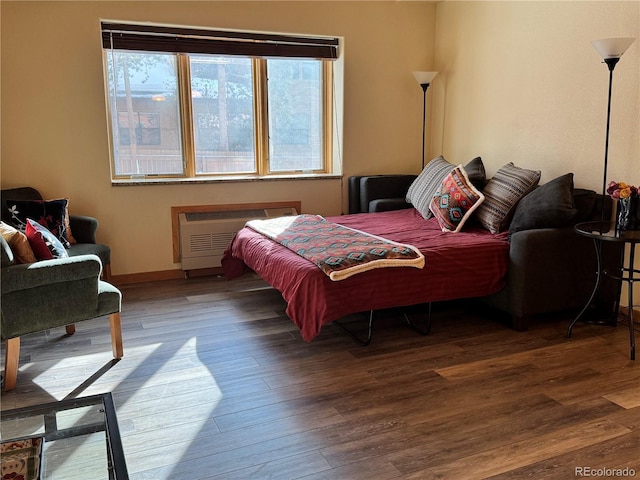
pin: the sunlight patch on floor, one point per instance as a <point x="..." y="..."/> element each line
<point x="152" y="407"/>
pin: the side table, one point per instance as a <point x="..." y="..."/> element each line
<point x="81" y="437"/>
<point x="606" y="232"/>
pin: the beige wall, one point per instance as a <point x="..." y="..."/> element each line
<point x="521" y="82"/>
<point x="54" y="133"/>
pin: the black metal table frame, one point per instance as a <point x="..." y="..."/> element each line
<point x="605" y="231"/>
<point x="422" y="330"/>
<point x="115" y="454"/>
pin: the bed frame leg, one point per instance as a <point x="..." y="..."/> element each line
<point x="421" y="330"/>
<point x="362" y="342"/>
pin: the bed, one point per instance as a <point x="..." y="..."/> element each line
<point x="468" y="264"/>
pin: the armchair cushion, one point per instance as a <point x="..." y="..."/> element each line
<point x="102" y="251"/>
<point x="84" y="228"/>
<point x="52" y="293"/>
<point x="49" y="272"/>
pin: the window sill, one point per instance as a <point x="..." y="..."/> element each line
<point x="128" y="182"/>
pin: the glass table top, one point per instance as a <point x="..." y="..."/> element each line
<point x="607" y="231"/>
<point x="80" y="436"/>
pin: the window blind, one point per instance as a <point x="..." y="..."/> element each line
<point x="155" y="38"/>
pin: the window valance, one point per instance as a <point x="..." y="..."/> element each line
<point x="156" y="38"/>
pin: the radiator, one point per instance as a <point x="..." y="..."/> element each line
<point x="205" y="235"/>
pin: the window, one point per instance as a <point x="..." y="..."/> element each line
<point x="193" y="103"/>
<point x="222" y="99"/>
<point x="295" y="115"/>
<point x="145" y="126"/>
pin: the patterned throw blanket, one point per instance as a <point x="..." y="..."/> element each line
<point x="338" y="251"/>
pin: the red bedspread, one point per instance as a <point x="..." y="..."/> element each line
<point x="471" y="263"/>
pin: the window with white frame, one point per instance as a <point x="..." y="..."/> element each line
<point x="200" y="103"/>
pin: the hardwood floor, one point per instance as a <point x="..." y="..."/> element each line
<point x="216" y="383"/>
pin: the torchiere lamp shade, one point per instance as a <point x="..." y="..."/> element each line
<point x="612" y="47"/>
<point x="424" y="77"/>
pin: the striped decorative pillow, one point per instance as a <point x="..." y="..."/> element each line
<point x="502" y="194"/>
<point x="427" y="184"/>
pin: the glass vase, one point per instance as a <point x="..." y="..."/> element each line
<point x="627" y="214"/>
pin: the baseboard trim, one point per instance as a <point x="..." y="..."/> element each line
<point x="133" y="278"/>
<point x="636" y="313"/>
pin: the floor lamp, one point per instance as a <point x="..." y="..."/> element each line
<point x="610" y="49"/>
<point x="424" y="79"/>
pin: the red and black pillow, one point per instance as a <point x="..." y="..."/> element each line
<point x="51" y="214"/>
<point x="45" y="245"/>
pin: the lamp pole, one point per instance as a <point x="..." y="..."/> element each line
<point x="610" y="49"/>
<point x="424" y="79"/>
<point x="424" y="116"/>
<point x="611" y="64"/>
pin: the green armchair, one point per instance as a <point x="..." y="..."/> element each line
<point x="83" y="228"/>
<point x="52" y="293"/>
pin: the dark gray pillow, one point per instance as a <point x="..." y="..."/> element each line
<point x="476" y="173"/>
<point x="548" y="206"/>
<point x="585" y="202"/>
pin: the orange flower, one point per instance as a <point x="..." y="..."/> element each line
<point x="621" y="190"/>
